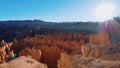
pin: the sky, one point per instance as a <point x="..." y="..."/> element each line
<point x="52" y="10"/>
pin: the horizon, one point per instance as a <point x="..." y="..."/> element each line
<point x="57" y="10"/>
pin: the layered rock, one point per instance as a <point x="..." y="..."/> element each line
<point x="23" y="62"/>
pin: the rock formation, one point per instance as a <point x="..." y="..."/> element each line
<point x="34" y="53"/>
<point x="80" y="62"/>
<point x="6" y="52"/>
<point x="90" y="50"/>
<point x="112" y="57"/>
<point x="23" y="62"/>
<point x="77" y="61"/>
<point x="15" y="46"/>
<point x="50" y="55"/>
<point x="113" y="48"/>
<point x="102" y="38"/>
<point x="112" y="52"/>
<point x="65" y="61"/>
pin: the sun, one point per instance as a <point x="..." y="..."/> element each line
<point x="105" y="11"/>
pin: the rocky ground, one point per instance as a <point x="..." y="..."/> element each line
<point x="23" y="62"/>
<point x="77" y="61"/>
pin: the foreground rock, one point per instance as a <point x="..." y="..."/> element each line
<point x="113" y="57"/>
<point x="77" y="61"/>
<point x="94" y="51"/>
<point x="112" y="52"/>
<point x="23" y="62"/>
<point x="65" y="61"/>
<point x="113" y="48"/>
<point x="80" y="62"/>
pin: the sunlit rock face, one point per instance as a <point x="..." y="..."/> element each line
<point x="6" y="51"/>
<point x="92" y="51"/>
<point x="111" y="52"/>
<point x="23" y="62"/>
<point x="65" y="61"/>
<point x="101" y="38"/>
<point x="77" y="61"/>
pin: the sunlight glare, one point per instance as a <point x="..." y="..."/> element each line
<point x="105" y="11"/>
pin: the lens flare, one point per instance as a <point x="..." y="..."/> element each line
<point x="105" y="11"/>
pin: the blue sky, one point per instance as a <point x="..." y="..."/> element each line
<point x="51" y="10"/>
